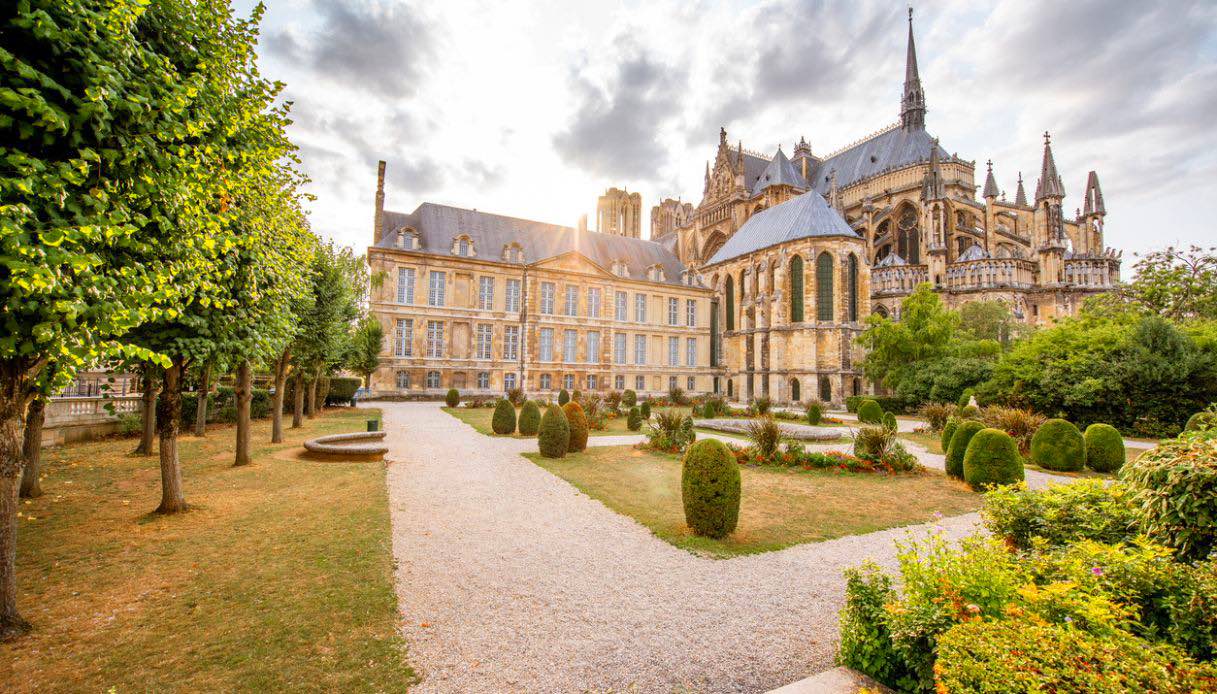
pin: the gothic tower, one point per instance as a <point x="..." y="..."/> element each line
<point x="912" y="106"/>
<point x="1049" y="219"/>
<point x="619" y="212"/>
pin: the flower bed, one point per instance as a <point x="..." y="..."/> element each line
<point x="796" y="457"/>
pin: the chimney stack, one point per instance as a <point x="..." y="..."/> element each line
<point x="378" y="226"/>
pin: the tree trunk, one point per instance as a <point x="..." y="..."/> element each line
<point x="14" y="395"/>
<point x="298" y="400"/>
<point x="244" y="395"/>
<point x="31" y="449"/>
<point x="149" y="414"/>
<point x="200" y="415"/>
<point x="168" y="421"/>
<point x="276" y="410"/>
<point x="312" y="394"/>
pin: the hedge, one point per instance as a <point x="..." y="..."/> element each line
<point x="889" y="403"/>
<point x="815" y="412"/>
<point x="959" y="446"/>
<point x="222" y="405"/>
<point x="530" y="418"/>
<point x="1104" y="448"/>
<point x="504" y="420"/>
<point x="578" y="426"/>
<point x="1058" y="446"/>
<point x="554" y="435"/>
<point x="342" y="390"/>
<point x="870" y="412"/>
<point x="645" y="409"/>
<point x="992" y="459"/>
<point x="710" y="488"/>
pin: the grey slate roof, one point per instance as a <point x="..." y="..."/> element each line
<point x="891" y="260"/>
<point x="754" y="166"/>
<point x="801" y="217"/>
<point x="779" y="172"/>
<point x="889" y="149"/>
<point x="438" y="225"/>
<point x="975" y="252"/>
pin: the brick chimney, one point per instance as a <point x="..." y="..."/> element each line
<point x="378" y="226"/>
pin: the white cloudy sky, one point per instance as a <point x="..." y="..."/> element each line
<point x="532" y="109"/>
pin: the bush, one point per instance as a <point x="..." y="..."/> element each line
<point x="1104" y="448"/>
<point x="866" y="643"/>
<point x="1205" y="419"/>
<point x="553" y="437"/>
<point x="504" y="419"/>
<point x="630" y="398"/>
<point x="633" y="420"/>
<point x="1018" y="423"/>
<point x="765" y="434"/>
<point x="612" y="401"/>
<point x="1060" y="514"/>
<point x="516" y="397"/>
<point x="936" y="415"/>
<point x="714" y="407"/>
<point x="670" y="432"/>
<point x="342" y="390"/>
<point x="710" y="489"/>
<point x="453" y="398"/>
<point x="815" y="412"/>
<point x="889" y="421"/>
<point x="869" y="412"/>
<point x="530" y="418"/>
<point x="959" y="446"/>
<point x="1191" y="611"/>
<point x="676" y="396"/>
<point x="948" y="430"/>
<point x="991" y="459"/>
<point x="888" y="403"/>
<point x="578" y="426"/>
<point x="1175" y="493"/>
<point x="563" y="397"/>
<point x="645" y="409"/>
<point x="880" y="447"/>
<point x="1058" y="445"/>
<point x="577" y="396"/>
<point x="965" y="398"/>
<point x="969" y="412"/>
<point x="761" y="405"/>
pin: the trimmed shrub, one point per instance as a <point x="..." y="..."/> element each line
<point x="629" y="398"/>
<point x="969" y="412"/>
<point x="965" y="398"/>
<point x="948" y="430"/>
<point x="869" y="412"/>
<point x="815" y="412"/>
<point x="645" y="409"/>
<point x="516" y="396"/>
<point x="1104" y="448"/>
<point x="578" y="426"/>
<point x="1061" y="513"/>
<point x="959" y="446"/>
<point x="453" y="398"/>
<point x="1058" y="445"/>
<point x="530" y="418"/>
<point x="710" y="489"/>
<point x="992" y="459"/>
<point x="889" y="421"/>
<point x="889" y="403"/>
<point x="577" y="396"/>
<point x="342" y="390"/>
<point x="1175" y="493"/>
<point x="504" y="419"/>
<point x="554" y="435"/>
<point x="1205" y="419"/>
<point x="563" y="397"/>
<point x="633" y="420"/>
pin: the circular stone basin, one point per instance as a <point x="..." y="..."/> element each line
<point x="358" y="445"/>
<point x="801" y="432"/>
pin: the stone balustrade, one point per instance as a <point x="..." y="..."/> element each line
<point x="991" y="272"/>
<point x="898" y="279"/>
<point x="74" y="418"/>
<point x="1091" y="272"/>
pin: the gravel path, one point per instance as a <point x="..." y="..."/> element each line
<point x="509" y="579"/>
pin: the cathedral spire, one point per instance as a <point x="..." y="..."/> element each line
<point x="1020" y="197"/>
<point x="1094" y="196"/>
<point x="912" y="105"/>
<point x="1050" y="185"/>
<point x="990" y="182"/>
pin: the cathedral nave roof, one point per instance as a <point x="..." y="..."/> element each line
<point x="804" y="216"/>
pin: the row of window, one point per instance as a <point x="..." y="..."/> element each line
<point x="824" y="289"/>
<point x="545" y="381"/>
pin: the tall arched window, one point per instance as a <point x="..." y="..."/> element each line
<point x="794" y="390"/>
<point x="824" y="287"/>
<point x="730" y="291"/>
<point x="825" y="389"/>
<point x="852" y="279"/>
<point x="796" y="290"/>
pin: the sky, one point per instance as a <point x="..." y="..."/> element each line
<point x="533" y="109"/>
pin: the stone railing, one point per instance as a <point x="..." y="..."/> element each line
<point x="1015" y="273"/>
<point x="898" y="279"/>
<point x="80" y="418"/>
<point x="1091" y="272"/>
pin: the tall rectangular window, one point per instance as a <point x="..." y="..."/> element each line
<point x="403" y="336"/>
<point x="640" y="383"/>
<point x="571" y="305"/>
<point x="547" y="297"/>
<point x="673" y="351"/>
<point x="673" y="310"/>
<point x="435" y="338"/>
<point x="619" y="382"/>
<point x="619" y="348"/>
<point x="640" y="308"/>
<point x="640" y="349"/>
<point x="511" y="342"/>
<point x="405" y="285"/>
<point x="690" y="351"/>
<point x="691" y="313"/>
<point x="435" y="291"/>
<point x="620" y="299"/>
<point x="692" y="383"/>
<point x="486" y="293"/>
<point x="570" y="344"/>
<point x="483" y="341"/>
<point x="509" y="381"/>
<point x="593" y="303"/>
<point x="593" y="347"/>
<point x="513" y="296"/>
<point x="547" y="344"/>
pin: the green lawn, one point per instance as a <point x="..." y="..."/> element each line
<point x="778" y="508"/>
<point x="279" y="578"/>
<point x="479" y="419"/>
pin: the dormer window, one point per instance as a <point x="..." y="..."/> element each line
<point x="621" y="268"/>
<point x="655" y="273"/>
<point x="408" y="239"/>
<point x="513" y="253"/>
<point x="463" y="246"/>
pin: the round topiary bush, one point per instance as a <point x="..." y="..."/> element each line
<point x="578" y="426"/>
<point x="563" y="397"/>
<point x="453" y="398"/>
<point x="629" y="398"/>
<point x="1058" y="445"/>
<point x="554" y="435"/>
<point x="959" y="446"/>
<point x="634" y="419"/>
<point x="576" y="396"/>
<point x="870" y="412"/>
<point x="815" y="412"/>
<point x="992" y="459"/>
<point x="1204" y="419"/>
<point x="947" y="430"/>
<point x="504" y="419"/>
<point x="1104" y="448"/>
<point x="530" y="418"/>
<point x="646" y="409"/>
<point x="889" y="420"/>
<point x="969" y="412"/>
<point x="710" y="488"/>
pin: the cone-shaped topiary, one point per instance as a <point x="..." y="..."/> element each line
<point x="889" y="420"/>
<point x="578" y="427"/>
<point x="1058" y="445"/>
<point x="453" y="398"/>
<point x="634" y="419"/>
<point x="1104" y="448"/>
<point x="504" y="419"/>
<point x="530" y="418"/>
<point x="554" y="435"/>
<point x="710" y="488"/>
<point x="563" y="397"/>
<point x="947" y="430"/>
<point x="815" y="412"/>
<point x="869" y="412"/>
<point x="991" y="459"/>
<point x="645" y="409"/>
<point x="629" y="398"/>
<point x="959" y="446"/>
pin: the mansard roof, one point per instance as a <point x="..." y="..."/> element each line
<point x="439" y="224"/>
<point x="804" y="216"/>
<point x="779" y="172"/>
<point x="888" y="149"/>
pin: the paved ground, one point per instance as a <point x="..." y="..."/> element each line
<point x="509" y="579"/>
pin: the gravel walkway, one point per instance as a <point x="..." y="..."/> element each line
<point x="509" y="579"/>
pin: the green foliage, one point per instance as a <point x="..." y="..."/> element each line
<point x="888" y="403"/>
<point x="516" y="396"/>
<point x="1205" y="419"/>
<point x="889" y="421"/>
<point x="670" y="432"/>
<point x="869" y="412"/>
<point x="880" y="447"/>
<point x="1060" y="514"/>
<point x="866" y="644"/>
<point x="761" y="405"/>
<point x="948" y="430"/>
<point x="1175" y="283"/>
<point x="896" y="348"/>
<point x="946" y="379"/>
<point x="553" y="437"/>
<point x="992" y="459"/>
<point x="765" y="435"/>
<point x="990" y="321"/>
<point x="677" y="396"/>
<point x="814" y="412"/>
<point x="342" y="390"/>
<point x="577" y="422"/>
<point x="452" y="398"/>
<point x="710" y="489"/>
<point x="645" y="409"/>
<point x="965" y="398"/>
<point x="936" y="415"/>
<point x="1191" y="610"/>
<point x="633" y="420"/>
<point x="960" y="439"/>
<point x="629" y="398"/>
<point x="563" y="397"/>
<point x="364" y="354"/>
<point x="222" y="406"/>
<point x="1058" y="445"/>
<point x="504" y="419"/>
<point x="1020" y="424"/>
<point x="1104" y="448"/>
<point x="1175" y="488"/>
<point x="530" y="418"/>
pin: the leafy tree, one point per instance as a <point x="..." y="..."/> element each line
<point x="990" y="321"/>
<point x="923" y="333"/>
<point x="322" y="341"/>
<point x="364" y="356"/>
<point x="1175" y="283"/>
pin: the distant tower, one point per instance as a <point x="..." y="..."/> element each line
<point x="912" y="105"/>
<point x="619" y="212"/>
<point x="668" y="216"/>
<point x="1050" y="219"/>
